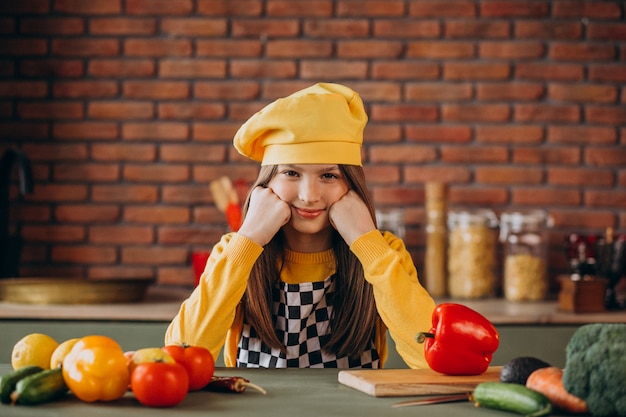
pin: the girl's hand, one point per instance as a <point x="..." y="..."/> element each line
<point x="351" y="217"/>
<point x="265" y="216"/>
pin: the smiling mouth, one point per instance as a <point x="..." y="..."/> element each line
<point x="308" y="214"/>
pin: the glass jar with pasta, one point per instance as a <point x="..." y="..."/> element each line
<point x="472" y="253"/>
<point x="524" y="237"/>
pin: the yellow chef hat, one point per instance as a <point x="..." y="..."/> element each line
<point x="322" y="124"/>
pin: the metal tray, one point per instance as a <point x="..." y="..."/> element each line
<point x="73" y="291"/>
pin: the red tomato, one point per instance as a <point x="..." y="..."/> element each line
<point x="159" y="384"/>
<point x="198" y="362"/>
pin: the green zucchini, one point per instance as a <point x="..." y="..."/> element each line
<point x="511" y="397"/>
<point x="39" y="388"/>
<point x="10" y="380"/>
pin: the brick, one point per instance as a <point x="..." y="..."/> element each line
<point x="16" y="47"/>
<point x="126" y="68"/>
<point x="156" y="173"/>
<point x="406" y="29"/>
<point x="263" y="68"/>
<point x="88" y="172"/>
<point x="123" y="152"/>
<point x="605" y="198"/>
<point x="7" y="68"/>
<point x="229" y="7"/>
<point x="191" y="110"/>
<point x="157" y="47"/>
<point x="474" y="154"/>
<point x="156" y="214"/>
<point x="580" y="177"/>
<point x="446" y="174"/>
<point x="546" y="113"/>
<point x="336" y="28"/>
<point x="586" y="9"/>
<point x="53" y="233"/>
<point x="439" y="50"/>
<point x="545" y="196"/>
<point x="456" y="29"/>
<point x="192" y="153"/>
<point x="369" y="49"/>
<point x="377" y="91"/>
<point x="510" y="50"/>
<point x="265" y="28"/>
<point x="52" y="26"/>
<point x="20" y="130"/>
<point x="185" y="235"/>
<point x="187" y="194"/>
<point x="607" y="73"/>
<point x="229" y="48"/>
<point x="299" y="48"/>
<point x="401" y="153"/>
<point x="50" y="110"/>
<point x="159" y="7"/>
<point x="58" y="193"/>
<point x="513" y="8"/>
<point x="540" y="156"/>
<point x="319" y="69"/>
<point x="510" y="91"/>
<point x="56" y="152"/>
<point x="442" y="8"/>
<point x="194" y="27"/>
<point x="583" y="93"/>
<point x="605" y="156"/>
<point x="88" y="7"/>
<point x="403" y="112"/>
<point x="549" y="71"/>
<point x="206" y="173"/>
<point x="477" y="197"/>
<point x="406" y="196"/>
<point x="156" y="90"/>
<point x="582" y="220"/>
<point x="476" y="112"/>
<point x="438" y="92"/>
<point x="23" y="89"/>
<point x="121" y="26"/>
<point x="513" y="134"/>
<point x="552" y="29"/>
<point x="85" y="89"/>
<point x="182" y="276"/>
<point x="85" y="130"/>
<point x="153" y="255"/>
<point x="438" y="133"/>
<point x="382" y="174"/>
<point x="241" y="111"/>
<point x="458" y="71"/>
<point x="87" y="213"/>
<point x="84" y="254"/>
<point x="583" y="135"/>
<point x="25" y="7"/>
<point x="581" y="52"/>
<point x="117" y="272"/>
<point x="388" y="133"/>
<point x="85" y="47"/>
<point x="207" y="215"/>
<point x="226" y="90"/>
<point x="310" y="8"/>
<point x="30" y="213"/>
<point x="376" y="8"/>
<point x="605" y="114"/>
<point x="123" y="110"/>
<point x="403" y="70"/>
<point x="121" y="193"/>
<point x="192" y="68"/>
<point x="508" y="175"/>
<point x="214" y="131"/>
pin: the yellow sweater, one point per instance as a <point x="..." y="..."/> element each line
<point x="210" y="317"/>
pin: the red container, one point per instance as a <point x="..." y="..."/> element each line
<point x="198" y="261"/>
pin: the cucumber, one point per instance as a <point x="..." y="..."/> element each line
<point x="10" y="380"/>
<point x="40" y="388"/>
<point x="511" y="397"/>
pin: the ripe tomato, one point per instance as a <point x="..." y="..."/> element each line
<point x="159" y="384"/>
<point x="198" y="362"/>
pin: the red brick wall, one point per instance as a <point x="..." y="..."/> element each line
<point x="127" y="109"/>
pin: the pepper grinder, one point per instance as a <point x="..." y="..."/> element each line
<point x="436" y="238"/>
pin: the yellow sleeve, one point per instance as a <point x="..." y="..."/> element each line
<point x="403" y="304"/>
<point x="206" y="316"/>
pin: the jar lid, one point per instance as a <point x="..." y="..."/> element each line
<point x="516" y="221"/>
<point x="483" y="217"/>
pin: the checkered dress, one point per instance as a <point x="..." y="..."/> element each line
<point x="302" y="315"/>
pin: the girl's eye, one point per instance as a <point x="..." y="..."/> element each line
<point x="329" y="176"/>
<point x="290" y="173"/>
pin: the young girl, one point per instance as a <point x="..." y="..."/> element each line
<point x="308" y="280"/>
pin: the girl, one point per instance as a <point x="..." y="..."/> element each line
<point x="308" y="280"/>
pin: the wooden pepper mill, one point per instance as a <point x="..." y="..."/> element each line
<point x="436" y="239"/>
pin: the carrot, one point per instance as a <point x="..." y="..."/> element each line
<point x="549" y="382"/>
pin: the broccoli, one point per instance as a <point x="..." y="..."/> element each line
<point x="595" y="368"/>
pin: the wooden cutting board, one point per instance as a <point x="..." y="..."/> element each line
<point x="408" y="382"/>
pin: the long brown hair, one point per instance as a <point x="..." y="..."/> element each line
<point x="354" y="311"/>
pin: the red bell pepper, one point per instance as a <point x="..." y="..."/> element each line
<point x="460" y="342"/>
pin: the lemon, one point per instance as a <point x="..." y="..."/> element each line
<point x="59" y="353"/>
<point x="33" y="349"/>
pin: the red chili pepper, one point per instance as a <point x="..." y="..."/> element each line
<point x="231" y="384"/>
<point x="460" y="342"/>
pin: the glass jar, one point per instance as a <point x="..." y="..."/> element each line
<point x="524" y="235"/>
<point x="472" y="253"/>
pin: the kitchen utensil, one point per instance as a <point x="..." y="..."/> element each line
<point x="434" y="400"/>
<point x="409" y="382"/>
<point x="227" y="201"/>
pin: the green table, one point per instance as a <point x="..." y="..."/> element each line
<point x="290" y="392"/>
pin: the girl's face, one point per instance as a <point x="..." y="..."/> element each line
<point x="310" y="190"/>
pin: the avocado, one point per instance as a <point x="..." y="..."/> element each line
<point x="518" y="370"/>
